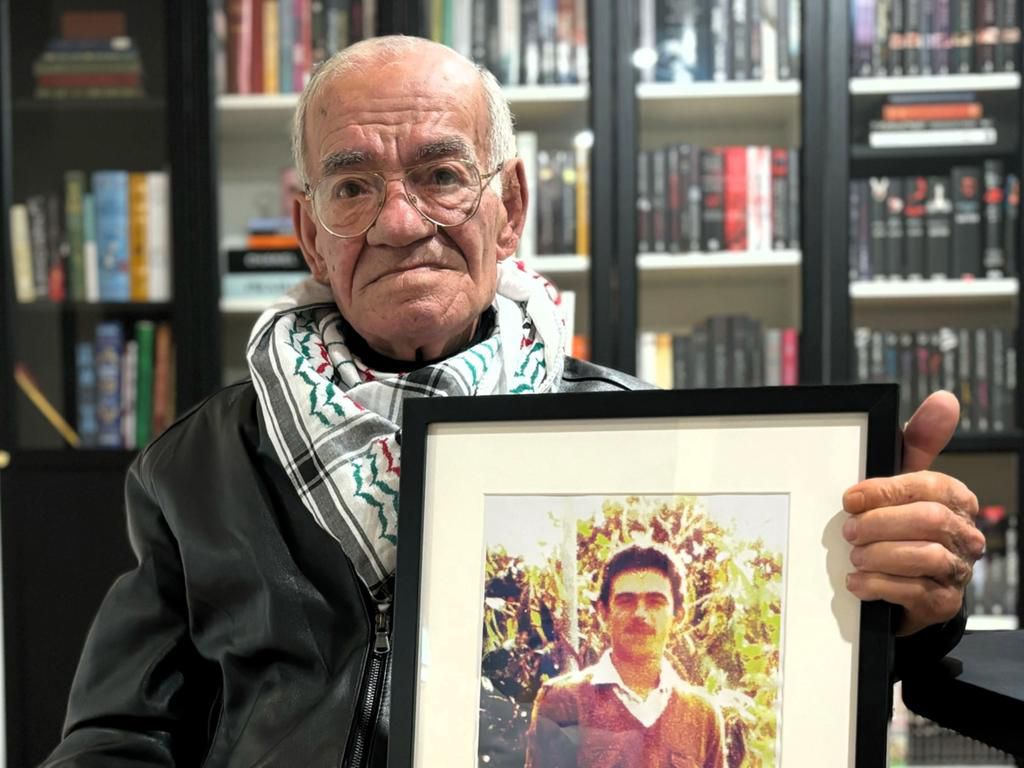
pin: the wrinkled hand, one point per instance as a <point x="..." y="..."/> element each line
<point x="915" y="542"/>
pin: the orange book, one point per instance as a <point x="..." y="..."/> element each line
<point x="970" y="110"/>
<point x="581" y="347"/>
<point x="272" y="241"/>
<point x="138" y="256"/>
<point x="162" y="379"/>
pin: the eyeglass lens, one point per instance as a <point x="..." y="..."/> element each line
<point x="446" y="192"/>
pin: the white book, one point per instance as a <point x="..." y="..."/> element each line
<point x="462" y="27"/>
<point x="526" y="143"/>
<point x="129" y="389"/>
<point x="509" y="41"/>
<point x="21" y="255"/>
<point x="773" y="357"/>
<point x="158" y="230"/>
<point x="647" y="357"/>
<point x="90" y="251"/>
<point x="769" y="40"/>
<point x="941" y="137"/>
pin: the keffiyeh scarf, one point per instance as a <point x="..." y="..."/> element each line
<point x="334" y="421"/>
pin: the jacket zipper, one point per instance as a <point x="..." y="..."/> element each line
<point x="375" y="673"/>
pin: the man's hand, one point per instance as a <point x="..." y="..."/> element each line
<point x="914" y="537"/>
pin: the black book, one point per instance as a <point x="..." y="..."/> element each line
<point x="682" y="355"/>
<point x="713" y="209"/>
<point x="907" y="374"/>
<point x="252" y="260"/>
<point x="997" y="379"/>
<point x="705" y="42"/>
<point x="938" y="228"/>
<point x="928" y="8"/>
<point x="674" y="212"/>
<point x="941" y="33"/>
<point x="994" y="259"/>
<point x="529" y="35"/>
<point x="659" y="201"/>
<point x="720" y="34"/>
<point x="876" y="371"/>
<point x="856" y="209"/>
<point x="965" y="390"/>
<point x="894" y="228"/>
<point x="1011" y="380"/>
<point x="879" y="189"/>
<point x="739" y="368"/>
<point x="755" y="59"/>
<point x="718" y="351"/>
<point x="1011" y="236"/>
<point x="780" y="198"/>
<point x="961" y="23"/>
<point x="862" y="353"/>
<point x="913" y="223"/>
<point x="986" y="35"/>
<point x="567" y="207"/>
<point x="922" y="360"/>
<point x="690" y="161"/>
<point x="739" y="41"/>
<point x="966" y="183"/>
<point x="880" y="44"/>
<point x="948" y="343"/>
<point x="701" y="367"/>
<point x="1009" y="35"/>
<point x="547" y="202"/>
<point x="756" y="352"/>
<point x="782" y="40"/>
<point x="864" y="230"/>
<point x="674" y="22"/>
<point x="912" y="39"/>
<point x="644" y="234"/>
<point x="897" y="26"/>
<point x="982" y="382"/>
<point x="478" y="32"/>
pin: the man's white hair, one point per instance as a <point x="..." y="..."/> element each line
<point x="501" y="137"/>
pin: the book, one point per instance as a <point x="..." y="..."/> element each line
<point x="138" y="216"/>
<point x="994" y="258"/>
<point x="526" y="143"/>
<point x="158" y="236"/>
<point x="145" y="339"/>
<point x="110" y="190"/>
<point x="109" y="350"/>
<point x="163" y="384"/>
<point x="967" y="233"/>
<point x="914" y="226"/>
<point x="85" y="394"/>
<point x="129" y="393"/>
<point x="74" y="192"/>
<point x="21" y="254"/>
<point x="938" y="228"/>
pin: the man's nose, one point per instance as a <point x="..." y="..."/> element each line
<point x="399" y="223"/>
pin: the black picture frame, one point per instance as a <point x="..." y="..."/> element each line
<point x="877" y="403"/>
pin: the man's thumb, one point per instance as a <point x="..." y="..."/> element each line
<point x="929" y="429"/>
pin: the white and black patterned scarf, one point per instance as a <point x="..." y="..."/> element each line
<point x="334" y="420"/>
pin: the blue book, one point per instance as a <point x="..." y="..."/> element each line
<point x="110" y="193"/>
<point x="109" y="349"/>
<point x="85" y="392"/>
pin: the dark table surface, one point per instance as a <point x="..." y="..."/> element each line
<point x="977" y="690"/>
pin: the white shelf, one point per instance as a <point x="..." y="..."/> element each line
<point x="988" y="621"/>
<point x="742" y="262"/>
<point x="934" y="290"/>
<point x="667" y="105"/>
<point x="562" y="107"/>
<point x="999" y="81"/>
<point x="236" y="306"/>
<point x="559" y="264"/>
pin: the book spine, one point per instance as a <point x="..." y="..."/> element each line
<point x="145" y="337"/>
<point x="158" y="235"/>
<point x="794" y="199"/>
<point x="526" y="144"/>
<point x="986" y="36"/>
<point x="735" y="209"/>
<point x="109" y="349"/>
<point x="271" y="47"/>
<point x="21" y="253"/>
<point x="912" y="43"/>
<point x="74" y="191"/>
<point x="897" y="27"/>
<point x="286" y="39"/>
<point x="739" y="60"/>
<point x="674" y="208"/>
<point x="938" y="224"/>
<point x="694" y="200"/>
<point x="994" y="259"/>
<point x="755" y="44"/>
<point x="880" y="44"/>
<point x="982" y="392"/>
<point x="1011" y="217"/>
<point x="256" y="46"/>
<point x="129" y="391"/>
<point x="941" y="34"/>
<point x="856" y="210"/>
<point x="998" y="379"/>
<point x="89" y="249"/>
<point x="913" y="222"/>
<point x="582" y="195"/>
<point x="659" y="198"/>
<point x="878" y="187"/>
<point x="138" y="256"/>
<point x="967" y="197"/>
<point x="719" y="36"/>
<point x="966" y="386"/>
<point x="56" y="251"/>
<point x="713" y="199"/>
<point x="780" y="198"/>
<point x="961" y="18"/>
<point x="162" y="384"/>
<point x="790" y="357"/>
<point x="567" y="238"/>
<point x="863" y="37"/>
<point x="85" y="393"/>
<point x="112" y="234"/>
<point x="644" y="204"/>
<point x="1009" y="36"/>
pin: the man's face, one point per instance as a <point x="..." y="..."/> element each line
<point x="639" y="614"/>
<point x="405" y="285"/>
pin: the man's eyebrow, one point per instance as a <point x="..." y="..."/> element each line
<point x="342" y="159"/>
<point x="449" y="146"/>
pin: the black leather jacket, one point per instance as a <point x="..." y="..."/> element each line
<point x="244" y="637"/>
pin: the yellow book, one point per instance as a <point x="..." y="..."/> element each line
<point x="271" y="47"/>
<point x="21" y="253"/>
<point x="583" y="201"/>
<point x="138" y="256"/>
<point x="663" y="361"/>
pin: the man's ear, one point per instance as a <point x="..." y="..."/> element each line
<point x="305" y="230"/>
<point x="515" y="197"/>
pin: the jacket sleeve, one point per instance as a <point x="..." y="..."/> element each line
<point x="548" y="742"/>
<point x="137" y="696"/>
<point x="928" y="645"/>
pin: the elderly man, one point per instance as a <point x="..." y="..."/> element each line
<point x="630" y="709"/>
<point x="256" y="628"/>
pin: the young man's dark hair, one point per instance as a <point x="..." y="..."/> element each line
<point x="636" y="557"/>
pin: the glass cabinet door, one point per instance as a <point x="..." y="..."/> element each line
<point x="718" y="193"/>
<point x="90" y="336"/>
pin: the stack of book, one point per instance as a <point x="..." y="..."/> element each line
<point x="961" y="225"/>
<point x="994" y="584"/>
<point x="921" y="37"/>
<point x="691" y="199"/>
<point x="932" y="120"/>
<point x="978" y="365"/>
<point x="266" y="265"/>
<point x="124" y="384"/>
<point x="685" y="41"/>
<point x="108" y="239"/>
<point x="721" y="351"/>
<point x="92" y="59"/>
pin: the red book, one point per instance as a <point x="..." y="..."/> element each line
<point x="969" y="110"/>
<point x="236" y="24"/>
<point x="735" y="198"/>
<point x="302" y="49"/>
<point x="790" y="357"/>
<point x="256" y="50"/>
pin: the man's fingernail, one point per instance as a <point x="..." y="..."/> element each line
<point x="853" y="502"/>
<point x="850" y="529"/>
<point x="857" y="556"/>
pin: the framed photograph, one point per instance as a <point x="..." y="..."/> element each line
<point x="653" y="578"/>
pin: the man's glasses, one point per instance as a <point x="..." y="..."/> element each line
<point x="445" y="192"/>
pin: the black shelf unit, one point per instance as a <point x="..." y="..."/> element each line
<point x="61" y="509"/>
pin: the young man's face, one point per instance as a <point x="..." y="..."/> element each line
<point x="639" y="614"/>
